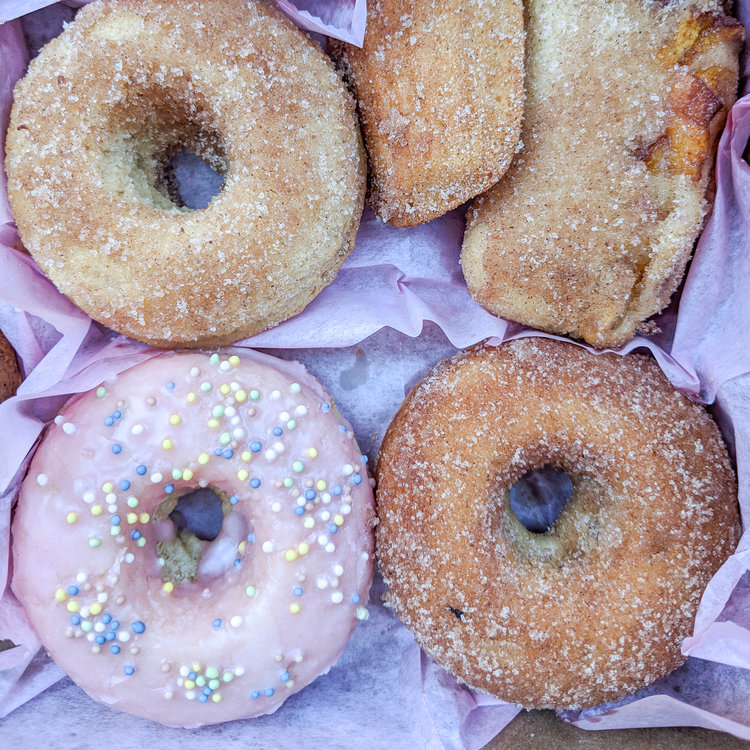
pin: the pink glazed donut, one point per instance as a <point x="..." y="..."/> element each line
<point x="148" y="614"/>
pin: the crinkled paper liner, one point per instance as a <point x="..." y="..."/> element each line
<point x="397" y="284"/>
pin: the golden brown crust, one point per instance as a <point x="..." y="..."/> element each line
<point x="109" y="101"/>
<point x="440" y="92"/>
<point x="598" y="606"/>
<point x="10" y="375"/>
<point x="590" y="231"/>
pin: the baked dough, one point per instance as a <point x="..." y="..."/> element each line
<point x="590" y="230"/>
<point x="95" y="123"/>
<point x="440" y="93"/>
<point x="598" y="606"/>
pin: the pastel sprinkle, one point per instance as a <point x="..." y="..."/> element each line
<point x="71" y="517"/>
<point x="60" y="595"/>
<point x="101" y="392"/>
<point x="167" y="444"/>
<point x="94" y="542"/>
<point x="298" y="467"/>
<point x="167" y="587"/>
<point x="175" y="419"/>
<point x="250" y="591"/>
<point x="234" y="360"/>
<point x="203" y="459"/>
<point x="294" y="608"/>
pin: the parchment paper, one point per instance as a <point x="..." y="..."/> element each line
<point x="355" y="337"/>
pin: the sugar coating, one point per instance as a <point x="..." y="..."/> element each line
<point x="589" y="232"/>
<point x="277" y="593"/>
<point x="105" y="106"/>
<point x="598" y="606"/>
<point x="439" y="87"/>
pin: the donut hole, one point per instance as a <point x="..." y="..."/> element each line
<point x="164" y="151"/>
<point x="538" y="497"/>
<point x="556" y="512"/>
<point x="194" y="181"/>
<point x="198" y="534"/>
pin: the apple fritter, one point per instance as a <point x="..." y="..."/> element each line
<point x="590" y="231"/>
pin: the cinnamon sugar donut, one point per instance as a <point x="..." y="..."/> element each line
<point x="597" y="606"/>
<point x="196" y="625"/>
<point x="589" y="232"/>
<point x="440" y="94"/>
<point x="99" y="116"/>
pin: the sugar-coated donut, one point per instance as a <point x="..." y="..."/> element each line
<point x="440" y="95"/>
<point x="597" y="606"/>
<point x="99" y="116"/>
<point x="266" y="607"/>
<point x="589" y="232"/>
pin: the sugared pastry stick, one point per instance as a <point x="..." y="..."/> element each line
<point x="589" y="232"/>
<point x="440" y="93"/>
<point x="99" y="116"/>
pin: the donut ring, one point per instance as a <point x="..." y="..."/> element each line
<point x="598" y="606"/>
<point x="100" y="114"/>
<point x="114" y="602"/>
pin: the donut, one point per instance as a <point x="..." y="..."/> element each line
<point x="589" y="232"/>
<point x="95" y="126"/>
<point x="440" y="97"/>
<point x="187" y="531"/>
<point x="598" y="605"/>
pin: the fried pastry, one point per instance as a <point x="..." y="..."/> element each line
<point x="590" y="230"/>
<point x="440" y="95"/>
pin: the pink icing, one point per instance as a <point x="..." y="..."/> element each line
<point x="293" y="559"/>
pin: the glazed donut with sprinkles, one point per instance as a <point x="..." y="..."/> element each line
<point x="187" y="531"/>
